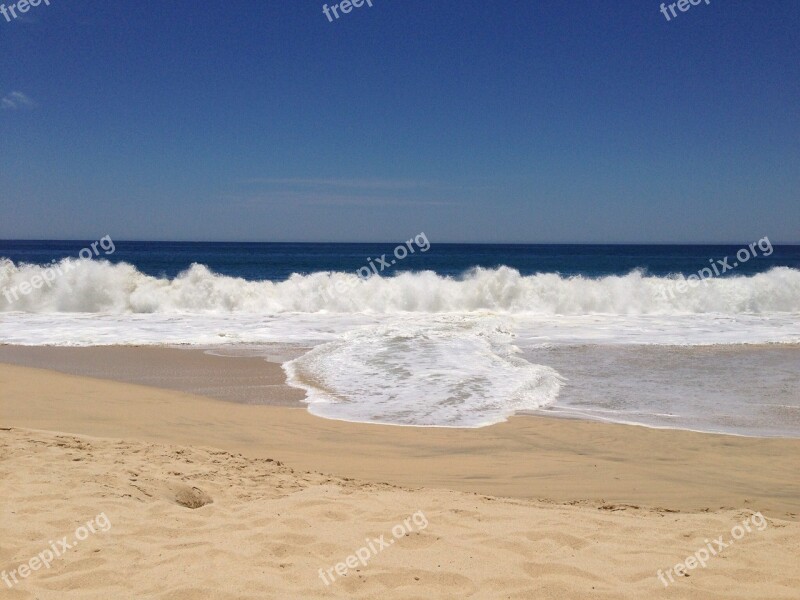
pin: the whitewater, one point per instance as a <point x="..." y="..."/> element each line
<point x="417" y="348"/>
<point x="102" y="287"/>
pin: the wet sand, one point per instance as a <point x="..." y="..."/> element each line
<point x="527" y="457"/>
<point x="229" y="500"/>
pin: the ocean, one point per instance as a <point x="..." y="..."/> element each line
<point x="448" y="335"/>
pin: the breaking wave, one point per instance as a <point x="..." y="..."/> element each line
<point x="86" y="286"/>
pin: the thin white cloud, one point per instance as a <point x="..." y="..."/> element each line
<point x="332" y="199"/>
<point x="362" y="184"/>
<point x="16" y="101"/>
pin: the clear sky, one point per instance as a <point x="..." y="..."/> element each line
<point x="474" y="121"/>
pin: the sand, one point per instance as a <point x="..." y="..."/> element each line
<point x="268" y="530"/>
<point x="245" y="379"/>
<point x="532" y="508"/>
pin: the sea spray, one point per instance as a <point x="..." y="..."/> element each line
<point x="102" y="287"/>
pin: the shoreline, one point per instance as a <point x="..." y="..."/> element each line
<point x="199" y="498"/>
<point x="552" y="459"/>
<point x="243" y="375"/>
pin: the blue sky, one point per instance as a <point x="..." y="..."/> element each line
<point x="514" y="121"/>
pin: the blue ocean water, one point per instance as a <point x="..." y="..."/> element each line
<point x="277" y="261"/>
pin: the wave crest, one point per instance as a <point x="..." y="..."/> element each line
<point x="94" y="286"/>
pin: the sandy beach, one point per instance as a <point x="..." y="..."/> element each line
<point x="407" y="300"/>
<point x="531" y="508"/>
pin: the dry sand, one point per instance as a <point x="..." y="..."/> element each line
<point x="269" y="529"/>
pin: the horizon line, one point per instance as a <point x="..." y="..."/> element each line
<point x="448" y="243"/>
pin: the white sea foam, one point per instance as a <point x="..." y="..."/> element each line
<point x="453" y="372"/>
<point x="102" y="287"/>
<point x="417" y="348"/>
